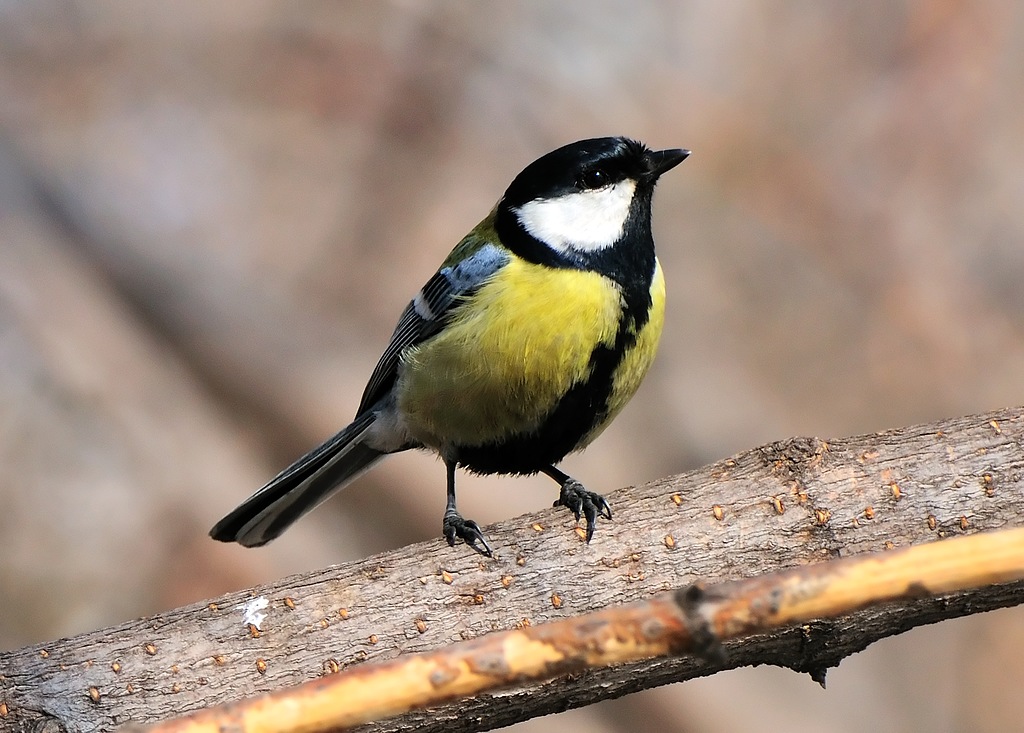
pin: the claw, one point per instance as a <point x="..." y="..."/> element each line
<point x="582" y="502"/>
<point x="467" y="530"/>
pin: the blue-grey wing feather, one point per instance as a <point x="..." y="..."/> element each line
<point x="428" y="313"/>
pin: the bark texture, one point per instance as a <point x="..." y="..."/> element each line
<point x="787" y="503"/>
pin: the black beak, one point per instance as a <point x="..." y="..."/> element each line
<point x="660" y="161"/>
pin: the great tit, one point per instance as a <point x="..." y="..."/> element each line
<point x="533" y="334"/>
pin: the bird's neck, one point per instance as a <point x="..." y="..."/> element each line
<point x="630" y="262"/>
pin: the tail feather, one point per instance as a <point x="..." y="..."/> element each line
<point x="300" y="487"/>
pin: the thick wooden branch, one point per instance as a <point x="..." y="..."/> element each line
<point x="695" y="620"/>
<point x="781" y="505"/>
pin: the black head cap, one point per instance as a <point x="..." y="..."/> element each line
<point x="590" y="164"/>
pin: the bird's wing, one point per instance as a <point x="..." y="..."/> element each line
<point x="470" y="265"/>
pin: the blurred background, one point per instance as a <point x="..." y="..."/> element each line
<point x="211" y="215"/>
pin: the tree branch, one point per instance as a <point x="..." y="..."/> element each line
<point x="784" y="504"/>
<point x="695" y="620"/>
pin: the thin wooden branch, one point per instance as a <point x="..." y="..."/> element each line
<point x="693" y="620"/>
<point x="782" y="505"/>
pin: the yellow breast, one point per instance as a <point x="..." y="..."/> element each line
<point x="513" y="349"/>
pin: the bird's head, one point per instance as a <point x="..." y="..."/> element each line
<point x="580" y="199"/>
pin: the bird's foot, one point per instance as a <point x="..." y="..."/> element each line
<point x="580" y="501"/>
<point x="467" y="530"/>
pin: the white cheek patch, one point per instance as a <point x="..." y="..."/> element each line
<point x="582" y="220"/>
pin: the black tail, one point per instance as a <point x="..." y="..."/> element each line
<point x="300" y="487"/>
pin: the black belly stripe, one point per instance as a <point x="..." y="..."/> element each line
<point x="630" y="264"/>
<point x="581" y="409"/>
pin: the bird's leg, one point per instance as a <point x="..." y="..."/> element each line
<point x="578" y="500"/>
<point x="454" y="525"/>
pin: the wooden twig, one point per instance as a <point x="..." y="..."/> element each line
<point x="692" y="620"/>
<point x="779" y="506"/>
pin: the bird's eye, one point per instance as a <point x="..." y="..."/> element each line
<point x="593" y="178"/>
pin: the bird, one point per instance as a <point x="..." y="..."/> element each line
<point x="519" y="350"/>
